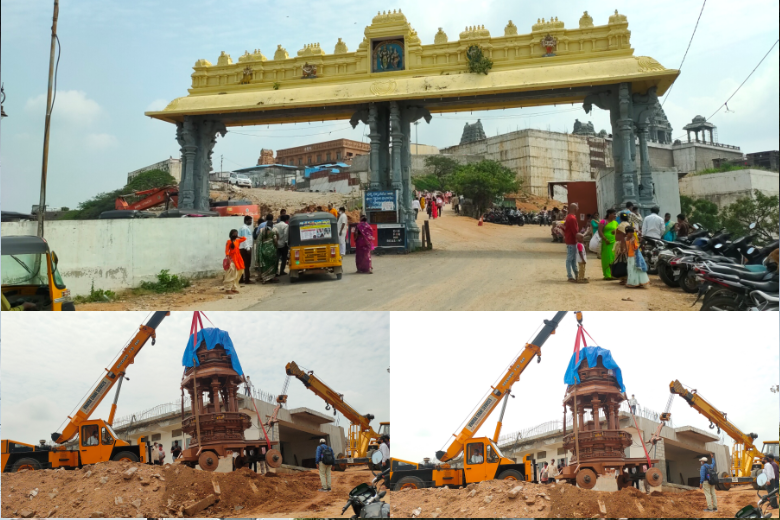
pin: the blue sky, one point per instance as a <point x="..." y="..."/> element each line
<point x="120" y="59"/>
<point x="49" y="361"/>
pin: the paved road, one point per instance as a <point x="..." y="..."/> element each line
<point x="488" y="268"/>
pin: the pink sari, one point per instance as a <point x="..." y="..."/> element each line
<point x="364" y="245"/>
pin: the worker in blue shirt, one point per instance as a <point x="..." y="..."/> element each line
<point x="709" y="489"/>
<point x="324" y="461"/>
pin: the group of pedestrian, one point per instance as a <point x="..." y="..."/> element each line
<point x="616" y="241"/>
<point x="549" y="471"/>
<point x="158" y="454"/>
<point x="433" y="203"/>
<point x="270" y="242"/>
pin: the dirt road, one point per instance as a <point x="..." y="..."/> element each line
<point x="489" y="268"/>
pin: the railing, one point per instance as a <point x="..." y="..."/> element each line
<point x="557" y="426"/>
<point x="175" y="408"/>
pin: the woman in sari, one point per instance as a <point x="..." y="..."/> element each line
<point x="607" y="233"/>
<point x="669" y="233"/>
<point x="236" y="269"/>
<point x="620" y="250"/>
<point x="636" y="277"/>
<point x="267" y="255"/>
<point x="364" y="244"/>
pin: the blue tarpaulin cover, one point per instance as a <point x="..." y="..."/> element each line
<point x="592" y="354"/>
<point x="212" y="337"/>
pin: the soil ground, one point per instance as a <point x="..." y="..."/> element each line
<point x="471" y="267"/>
<point x="154" y="492"/>
<point x="491" y="499"/>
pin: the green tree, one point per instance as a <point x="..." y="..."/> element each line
<point x="93" y="207"/>
<point x="761" y="209"/>
<point x="441" y="167"/>
<point x="427" y="183"/>
<point x="700" y="211"/>
<point x="482" y="182"/>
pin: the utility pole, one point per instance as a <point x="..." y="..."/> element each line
<point x="416" y="138"/>
<point x="47" y="126"/>
<point x="220" y="165"/>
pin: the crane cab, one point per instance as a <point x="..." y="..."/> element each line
<point x="29" y="274"/>
<point x="771" y="448"/>
<point x="98" y="442"/>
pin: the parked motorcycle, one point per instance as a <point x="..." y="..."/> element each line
<point x="365" y="499"/>
<point x="765" y="501"/>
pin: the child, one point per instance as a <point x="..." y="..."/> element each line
<point x="582" y="259"/>
<point x="636" y="276"/>
<point x="233" y="275"/>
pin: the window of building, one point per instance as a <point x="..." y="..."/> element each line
<point x="309" y="160"/>
<point x="319" y="158"/>
<point x="300" y="161"/>
<point x="349" y="154"/>
<point x="338" y="156"/>
<point x="156" y="436"/>
<point x="327" y="156"/>
<point x="561" y="451"/>
<point x="541" y="456"/>
<point x="176" y="433"/>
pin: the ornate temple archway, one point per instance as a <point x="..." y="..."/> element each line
<point x="392" y="80"/>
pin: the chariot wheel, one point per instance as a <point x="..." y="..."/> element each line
<point x="586" y="478"/>
<point x="654" y="477"/>
<point x="273" y="458"/>
<point x="208" y="461"/>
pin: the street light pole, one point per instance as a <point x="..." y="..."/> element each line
<point x="47" y="126"/>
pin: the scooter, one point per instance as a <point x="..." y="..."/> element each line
<point x="759" y="511"/>
<point x="365" y="499"/>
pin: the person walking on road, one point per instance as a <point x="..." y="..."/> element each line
<point x="770" y="470"/>
<point x="324" y="460"/>
<point x="416" y="207"/>
<point x="544" y="475"/>
<point x="246" y="248"/>
<point x="607" y="229"/>
<point x="552" y="472"/>
<point x="570" y="230"/>
<point x="267" y="255"/>
<point x="342" y="225"/>
<point x="364" y="244"/>
<point x="440" y="205"/>
<point x="332" y="210"/>
<point x="636" y="274"/>
<point x="236" y="269"/>
<point x="706" y="486"/>
<point x="162" y="454"/>
<point x="282" y="245"/>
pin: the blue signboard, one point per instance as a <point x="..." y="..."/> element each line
<point x="381" y="201"/>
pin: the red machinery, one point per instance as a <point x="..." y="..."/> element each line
<point x="150" y="198"/>
<point x="169" y="195"/>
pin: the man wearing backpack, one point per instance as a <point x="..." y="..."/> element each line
<point x="324" y="460"/>
<point x="708" y="479"/>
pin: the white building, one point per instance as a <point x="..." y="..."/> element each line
<point x="170" y="165"/>
<point x="724" y="188"/>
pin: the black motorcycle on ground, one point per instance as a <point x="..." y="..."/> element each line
<point x="365" y="499"/>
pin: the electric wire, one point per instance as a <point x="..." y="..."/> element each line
<point x="686" y="51"/>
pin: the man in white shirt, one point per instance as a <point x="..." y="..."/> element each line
<point x="246" y="247"/>
<point x="633" y="403"/>
<point x="653" y="226"/>
<point x="384" y="449"/>
<point x="476" y="457"/>
<point x="342" y="226"/>
<point x="416" y="207"/>
<point x="282" y="247"/>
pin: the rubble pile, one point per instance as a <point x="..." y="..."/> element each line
<point x="271" y="201"/>
<point x="500" y="498"/>
<point x="126" y="489"/>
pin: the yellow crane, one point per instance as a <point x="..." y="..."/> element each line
<point x="744" y="450"/>
<point x="482" y="458"/>
<point x="97" y="440"/>
<point x="363" y="440"/>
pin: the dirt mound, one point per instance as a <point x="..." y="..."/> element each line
<point x="123" y="489"/>
<point x="271" y="201"/>
<point x="494" y="499"/>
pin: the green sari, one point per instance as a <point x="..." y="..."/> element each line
<point x="267" y="256"/>
<point x="607" y="245"/>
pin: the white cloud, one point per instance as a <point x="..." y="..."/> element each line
<point x="101" y="141"/>
<point x="71" y="106"/>
<point x="156" y="105"/>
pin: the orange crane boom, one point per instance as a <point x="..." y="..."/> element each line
<point x="113" y="375"/>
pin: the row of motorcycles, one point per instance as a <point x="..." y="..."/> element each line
<point x="727" y="273"/>
<point x="509" y="217"/>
